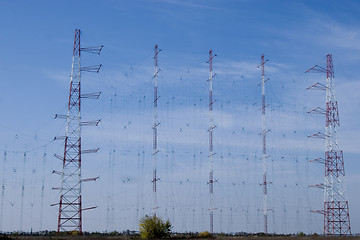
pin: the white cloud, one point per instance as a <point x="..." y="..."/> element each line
<point x="61" y="77"/>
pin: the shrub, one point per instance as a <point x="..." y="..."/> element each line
<point x="205" y="234"/>
<point x="154" y="227"/>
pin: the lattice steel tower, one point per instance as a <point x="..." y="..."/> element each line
<point x="336" y="208"/>
<point x="156" y="124"/>
<point x="70" y="204"/>
<point x="263" y="134"/>
<point x="211" y="150"/>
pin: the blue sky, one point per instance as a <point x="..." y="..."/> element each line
<point x="35" y="64"/>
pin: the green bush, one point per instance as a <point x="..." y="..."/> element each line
<point x="154" y="228"/>
<point x="205" y="234"/>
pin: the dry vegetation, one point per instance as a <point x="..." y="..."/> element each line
<point x="178" y="236"/>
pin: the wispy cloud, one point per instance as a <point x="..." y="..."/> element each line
<point x="322" y="31"/>
<point x="338" y="35"/>
<point x="58" y="76"/>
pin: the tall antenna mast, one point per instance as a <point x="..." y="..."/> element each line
<point x="211" y="153"/>
<point x="42" y="191"/>
<point x="2" y="192"/>
<point x="22" y="193"/>
<point x="70" y="204"/>
<point x="263" y="134"/>
<point x="336" y="208"/>
<point x="156" y="124"/>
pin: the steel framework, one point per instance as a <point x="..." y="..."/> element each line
<point x="336" y="208"/>
<point x="2" y="192"/>
<point x="156" y="124"/>
<point x="211" y="152"/>
<point x="70" y="204"/>
<point x="263" y="134"/>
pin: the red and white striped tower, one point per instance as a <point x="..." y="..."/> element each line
<point x="263" y="134"/>
<point x="156" y="124"/>
<point x="336" y="208"/>
<point x="211" y="150"/>
<point x="70" y="204"/>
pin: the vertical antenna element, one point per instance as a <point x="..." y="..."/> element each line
<point x="70" y="204"/>
<point x="211" y="153"/>
<point x="263" y="134"/>
<point x="42" y="192"/>
<point x="2" y="192"/>
<point x="336" y="208"/>
<point x="22" y="194"/>
<point x="156" y="124"/>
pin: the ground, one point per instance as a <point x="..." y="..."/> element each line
<point x="182" y="236"/>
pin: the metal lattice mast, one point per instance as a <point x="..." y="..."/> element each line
<point x="263" y="134"/>
<point x="42" y="192"/>
<point x="336" y="208"/>
<point x="3" y="192"/>
<point x="211" y="150"/>
<point x="22" y="194"/>
<point x="156" y="124"/>
<point x="70" y="204"/>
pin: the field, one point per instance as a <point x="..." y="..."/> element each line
<point x="181" y="236"/>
